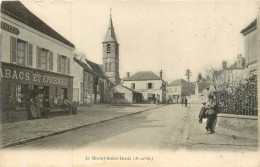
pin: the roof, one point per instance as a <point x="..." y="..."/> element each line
<point x="143" y="75"/>
<point x="250" y="26"/>
<point x="203" y="85"/>
<point x="110" y="35"/>
<point x="85" y="66"/>
<point x="95" y="67"/>
<point x="178" y="82"/>
<point x="18" y="11"/>
<point x="128" y="89"/>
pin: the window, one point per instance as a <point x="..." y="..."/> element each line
<point x="64" y="94"/>
<point x="133" y="85"/>
<point x="108" y="48"/>
<point x="150" y="85"/>
<point x="21" y="52"/>
<point x="63" y="64"/>
<point x="44" y="59"/>
<point x="109" y="67"/>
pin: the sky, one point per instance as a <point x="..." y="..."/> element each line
<point x="154" y="35"/>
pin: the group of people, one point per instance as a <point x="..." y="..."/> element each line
<point x="37" y="108"/>
<point x="208" y="111"/>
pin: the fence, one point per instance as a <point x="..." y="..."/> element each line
<point x="240" y="101"/>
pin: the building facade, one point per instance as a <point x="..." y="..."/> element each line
<point x="250" y="34"/>
<point x="178" y="89"/>
<point x="149" y="84"/>
<point x="35" y="66"/>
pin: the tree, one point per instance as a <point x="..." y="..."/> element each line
<point x="200" y="78"/>
<point x="188" y="74"/>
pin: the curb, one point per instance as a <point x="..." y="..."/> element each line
<point x="74" y="128"/>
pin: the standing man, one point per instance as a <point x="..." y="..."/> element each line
<point x="211" y="114"/>
<point x="186" y="102"/>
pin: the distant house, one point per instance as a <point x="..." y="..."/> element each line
<point x="123" y="94"/>
<point x="251" y="47"/>
<point x="201" y="90"/>
<point x="231" y="76"/>
<point x="180" y="88"/>
<point x="91" y="85"/>
<point x="149" y="84"/>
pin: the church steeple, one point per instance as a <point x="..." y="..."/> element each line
<point x="110" y="35"/>
<point x="111" y="54"/>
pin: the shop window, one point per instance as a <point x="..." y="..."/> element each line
<point x="22" y="96"/>
<point x="133" y="85"/>
<point x="63" y="64"/>
<point x="64" y="94"/>
<point x="44" y="59"/>
<point x="21" y="52"/>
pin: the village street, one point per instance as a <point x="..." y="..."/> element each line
<point x="171" y="127"/>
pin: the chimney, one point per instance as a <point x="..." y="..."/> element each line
<point x="128" y="74"/>
<point x="161" y="74"/>
<point x="224" y="65"/>
<point x="239" y="61"/>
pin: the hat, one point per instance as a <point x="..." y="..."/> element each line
<point x="204" y="103"/>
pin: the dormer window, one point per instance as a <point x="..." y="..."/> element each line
<point x="108" y="48"/>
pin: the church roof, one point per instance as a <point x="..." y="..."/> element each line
<point x="110" y="35"/>
<point x="85" y="66"/>
<point x="18" y="11"/>
<point x="143" y="75"/>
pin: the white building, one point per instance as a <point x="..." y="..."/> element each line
<point x="35" y="64"/>
<point x="149" y="84"/>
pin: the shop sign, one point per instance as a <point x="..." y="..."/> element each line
<point x="9" y="28"/>
<point x="31" y="76"/>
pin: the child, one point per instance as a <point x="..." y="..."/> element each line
<point x="202" y="112"/>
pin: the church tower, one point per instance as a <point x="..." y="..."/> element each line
<point x="111" y="54"/>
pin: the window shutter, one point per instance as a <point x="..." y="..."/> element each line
<point x="68" y="66"/>
<point x="152" y="85"/>
<point x="146" y="85"/>
<point x="51" y="61"/>
<point x="13" y="49"/>
<point x="30" y="55"/>
<point x="39" y="57"/>
<point x="59" y="63"/>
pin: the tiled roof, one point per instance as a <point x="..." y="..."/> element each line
<point x="95" y="67"/>
<point x="85" y="66"/>
<point x="203" y="85"/>
<point x="143" y="75"/>
<point x="129" y="89"/>
<point x="178" y="82"/>
<point x="18" y="11"/>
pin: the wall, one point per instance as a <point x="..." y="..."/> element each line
<point x="170" y="91"/>
<point x="251" y="50"/>
<point x="238" y="125"/>
<point x="128" y="94"/>
<point x="140" y="86"/>
<point x="36" y="38"/>
<point x="78" y="79"/>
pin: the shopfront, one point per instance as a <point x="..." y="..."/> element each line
<point x="24" y="87"/>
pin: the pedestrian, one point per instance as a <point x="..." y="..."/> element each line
<point x="210" y="114"/>
<point x="186" y="102"/>
<point x="202" y="112"/>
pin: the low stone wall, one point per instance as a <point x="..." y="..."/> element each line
<point x="238" y="125"/>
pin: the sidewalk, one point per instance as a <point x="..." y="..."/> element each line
<point x="195" y="134"/>
<point x="25" y="131"/>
